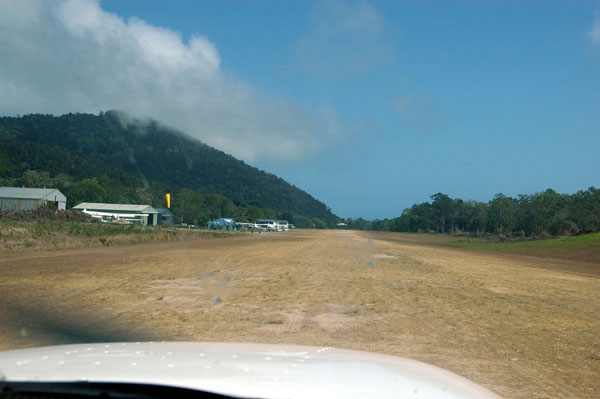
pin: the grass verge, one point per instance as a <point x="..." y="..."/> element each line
<point x="583" y="247"/>
<point x="18" y="235"/>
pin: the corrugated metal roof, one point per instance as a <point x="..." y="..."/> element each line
<point x="95" y="206"/>
<point x="31" y="193"/>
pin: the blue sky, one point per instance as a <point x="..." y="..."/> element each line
<point x="369" y="106"/>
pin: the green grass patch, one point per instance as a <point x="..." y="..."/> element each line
<point x="547" y="246"/>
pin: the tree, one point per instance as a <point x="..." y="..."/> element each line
<point x="87" y="190"/>
<point x="143" y="196"/>
<point x="477" y="216"/>
<point x="36" y="179"/>
<point x="502" y="212"/>
<point x="419" y="217"/>
<point x="585" y="209"/>
<point x="443" y="206"/>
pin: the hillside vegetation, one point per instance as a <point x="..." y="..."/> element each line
<point x="108" y="158"/>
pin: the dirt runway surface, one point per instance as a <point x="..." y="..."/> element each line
<point x="522" y="327"/>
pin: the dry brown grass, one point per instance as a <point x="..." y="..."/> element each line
<point x="45" y="234"/>
<point x="522" y="330"/>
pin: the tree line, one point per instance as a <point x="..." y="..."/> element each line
<point x="542" y="214"/>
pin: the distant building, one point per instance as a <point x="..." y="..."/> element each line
<point x="222" y="224"/>
<point x="144" y="215"/>
<point x="21" y="198"/>
<point x="165" y="216"/>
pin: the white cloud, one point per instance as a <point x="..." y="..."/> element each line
<point x="345" y="40"/>
<point x="72" y="56"/>
<point x="595" y="32"/>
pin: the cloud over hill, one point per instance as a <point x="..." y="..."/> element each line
<point x="72" y="56"/>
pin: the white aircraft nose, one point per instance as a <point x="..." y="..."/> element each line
<point x="243" y="370"/>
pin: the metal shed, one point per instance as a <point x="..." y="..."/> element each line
<point x="22" y="198"/>
<point x="139" y="214"/>
<point x="165" y="216"/>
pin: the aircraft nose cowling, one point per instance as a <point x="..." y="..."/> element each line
<point x="242" y="370"/>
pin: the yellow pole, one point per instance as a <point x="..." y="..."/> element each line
<point x="168" y="197"/>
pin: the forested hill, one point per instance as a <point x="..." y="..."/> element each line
<point x="99" y="158"/>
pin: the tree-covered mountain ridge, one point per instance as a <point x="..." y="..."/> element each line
<point x="111" y="158"/>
